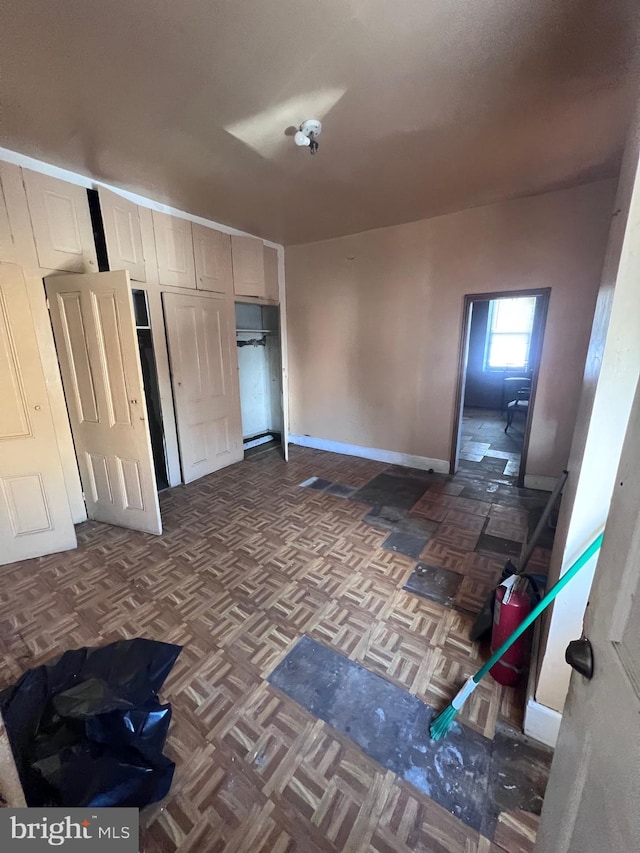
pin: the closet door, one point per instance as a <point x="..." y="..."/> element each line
<point x="35" y="517"/>
<point x="122" y="233"/>
<point x="61" y="223"/>
<point x="200" y="331"/>
<point x="248" y="266"/>
<point x="174" y="250"/>
<point x="212" y="250"/>
<point x="95" y="334"/>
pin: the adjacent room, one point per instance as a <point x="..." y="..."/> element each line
<point x="503" y="351"/>
<point x="319" y="415"/>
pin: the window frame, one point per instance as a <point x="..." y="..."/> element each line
<point x="491" y="333"/>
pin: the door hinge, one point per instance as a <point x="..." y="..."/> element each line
<point x="48" y="305"/>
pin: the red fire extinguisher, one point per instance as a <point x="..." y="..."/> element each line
<point x="512" y="606"/>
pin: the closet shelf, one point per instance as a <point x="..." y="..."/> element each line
<point x="257" y="331"/>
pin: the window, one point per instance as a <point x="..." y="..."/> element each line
<point x="509" y="333"/>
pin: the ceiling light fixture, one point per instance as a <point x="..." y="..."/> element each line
<point x="308" y="133"/>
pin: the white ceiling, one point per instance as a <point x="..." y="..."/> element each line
<point x="428" y="106"/>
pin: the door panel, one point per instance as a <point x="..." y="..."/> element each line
<point x="75" y="338"/>
<point x="122" y="233"/>
<point x="35" y="517"/>
<point x="61" y="223"/>
<point x="248" y="266"/>
<point x="212" y="251"/>
<point x="94" y="328"/>
<point x="174" y="248"/>
<point x="205" y="382"/>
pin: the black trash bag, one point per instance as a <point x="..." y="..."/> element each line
<point x="88" y="729"/>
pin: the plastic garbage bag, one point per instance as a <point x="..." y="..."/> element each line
<point x="88" y="728"/>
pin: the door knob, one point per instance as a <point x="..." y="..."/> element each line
<point x="579" y="656"/>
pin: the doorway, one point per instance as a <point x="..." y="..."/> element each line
<point x="501" y="346"/>
<point x="260" y="376"/>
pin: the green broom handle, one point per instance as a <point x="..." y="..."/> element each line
<point x="542" y="605"/>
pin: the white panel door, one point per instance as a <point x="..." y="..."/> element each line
<point x="94" y="328"/>
<point x="122" y="234"/>
<point x="61" y="223"/>
<point x="174" y="250"/>
<point x="35" y="517"/>
<point x="591" y="802"/>
<point x="248" y="266"/>
<point x="200" y="331"/>
<point x="212" y="251"/>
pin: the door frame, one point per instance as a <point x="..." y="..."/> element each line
<point x="542" y="308"/>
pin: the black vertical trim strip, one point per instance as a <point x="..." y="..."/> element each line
<point x="98" y="230"/>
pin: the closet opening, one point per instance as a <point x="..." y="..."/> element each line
<point x="151" y="388"/>
<point x="260" y="376"/>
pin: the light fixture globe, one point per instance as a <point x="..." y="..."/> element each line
<point x="307" y="135"/>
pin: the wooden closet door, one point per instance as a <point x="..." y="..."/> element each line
<point x="212" y="250"/>
<point x="95" y="333"/>
<point x="35" y="518"/>
<point x="204" y="373"/>
<point x="174" y="249"/>
<point x="61" y="223"/>
<point x="122" y="233"/>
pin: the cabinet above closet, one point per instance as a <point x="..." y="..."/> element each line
<point x="174" y="250"/>
<point x="61" y="223"/>
<point x="153" y="247"/>
<point x="271" y="282"/>
<point x="248" y="266"/>
<point x="121" y="223"/>
<point x="212" y="250"/>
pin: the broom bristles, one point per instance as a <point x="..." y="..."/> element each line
<point x="442" y="723"/>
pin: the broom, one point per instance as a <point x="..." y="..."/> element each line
<point x="440" y="725"/>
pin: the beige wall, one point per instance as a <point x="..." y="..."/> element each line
<point x="374" y="320"/>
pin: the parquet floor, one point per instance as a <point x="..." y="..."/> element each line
<point x="248" y="562"/>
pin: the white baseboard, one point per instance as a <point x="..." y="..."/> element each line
<point x="541" y="723"/>
<point x="441" y="466"/>
<point x="545" y="484"/>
